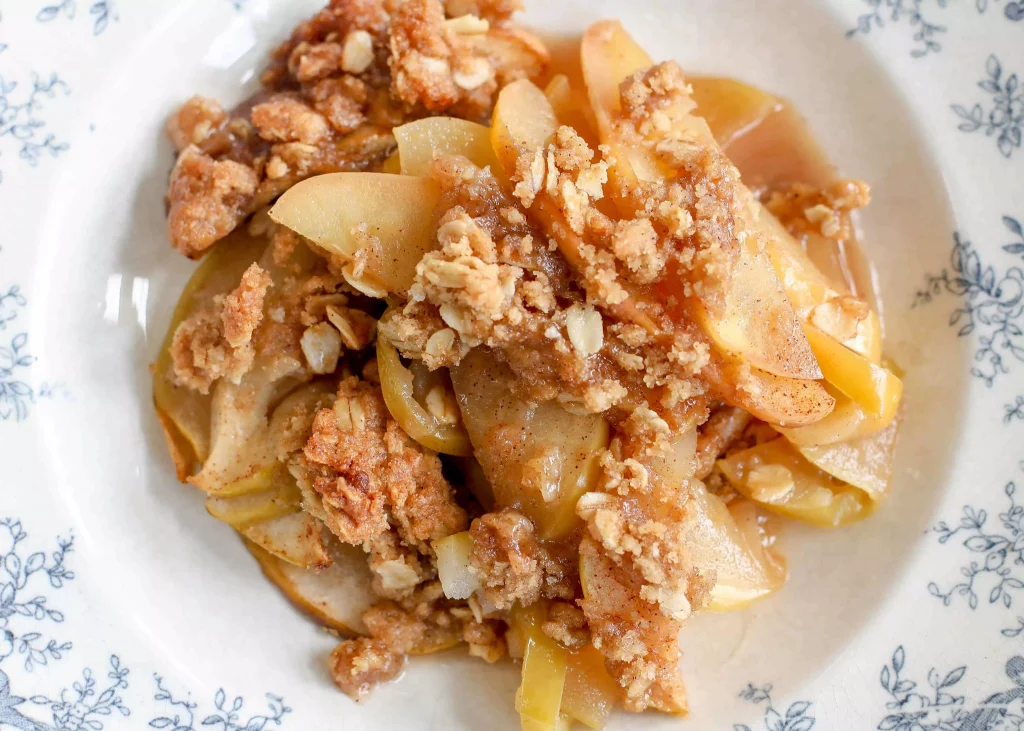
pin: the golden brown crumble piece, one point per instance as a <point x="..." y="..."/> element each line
<point x="358" y="665"/>
<point x="512" y="564"/>
<point x="635" y="244"/>
<point x="207" y="199"/>
<point x="194" y="121"/>
<point x="566" y="623"/>
<point x="637" y="532"/>
<point x="397" y="568"/>
<point x="286" y="119"/>
<point x="639" y="643"/>
<point x="486" y="639"/>
<point x="804" y="209"/>
<point x="371" y="476"/>
<point x="217" y="342"/>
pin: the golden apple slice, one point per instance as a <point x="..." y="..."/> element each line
<point x="240" y="444"/>
<point x="183" y="454"/>
<point x="398" y="387"/>
<point x="256" y="507"/>
<point x="335" y="597"/>
<point x="757" y="323"/>
<point x="589" y="694"/>
<point x="539" y="458"/>
<point x="454" y="568"/>
<point x="386" y="222"/>
<point x="864" y="462"/>
<point x="296" y="538"/>
<point x="777" y="400"/>
<point x="523" y="122"/>
<point x="846" y="420"/>
<point x="421" y="141"/>
<point x="874" y="388"/>
<point x="539" y="698"/>
<point x="731" y="107"/>
<point x="731" y="541"/>
<point x="778" y="477"/>
<point x="188" y="410"/>
<point x="807" y="287"/>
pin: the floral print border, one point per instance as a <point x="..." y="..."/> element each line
<point x="27" y="617"/>
<point x="920" y="17"/>
<point x="992" y="306"/>
<point x="89" y="702"/>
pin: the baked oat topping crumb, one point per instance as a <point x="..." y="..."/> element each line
<point x="286" y="119"/>
<point x="495" y="11"/>
<point x="208" y="198"/>
<point x="486" y="639"/>
<point x="585" y="328"/>
<point x="321" y="345"/>
<point x="216" y="342"/>
<point x="635" y="244"/>
<point x="358" y="665"/>
<point x="509" y="560"/>
<point x="566" y="624"/>
<point x="194" y="121"/>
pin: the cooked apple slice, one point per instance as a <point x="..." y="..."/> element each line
<point x="847" y="420"/>
<point x="297" y="538"/>
<point x="188" y="410"/>
<point x="777" y="400"/>
<point x="383" y="224"/>
<point x="778" y="477"/>
<point x="183" y="454"/>
<point x="240" y="444"/>
<point x="757" y="322"/>
<point x="732" y="542"/>
<point x="256" y="507"/>
<point x="539" y="698"/>
<point x="539" y="458"/>
<point x="398" y="387"/>
<point x="335" y="597"/>
<point x="873" y="387"/>
<point x="589" y="694"/>
<point x="421" y="141"/>
<point x="523" y="122"/>
<point x="864" y="462"/>
<point x="454" y="568"/>
<point x="807" y="287"/>
<point x="731" y="107"/>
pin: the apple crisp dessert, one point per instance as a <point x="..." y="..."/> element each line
<point x="515" y="347"/>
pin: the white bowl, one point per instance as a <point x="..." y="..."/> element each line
<point x="169" y="591"/>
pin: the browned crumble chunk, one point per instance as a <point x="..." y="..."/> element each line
<point x="208" y="198"/>
<point x="217" y="343"/>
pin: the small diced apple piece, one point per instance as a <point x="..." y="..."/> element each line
<point x="453" y="565"/>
